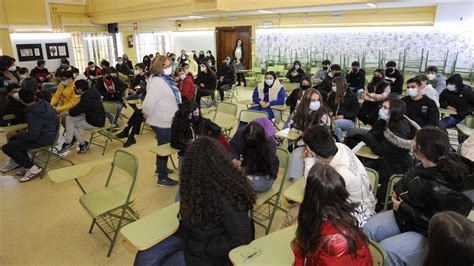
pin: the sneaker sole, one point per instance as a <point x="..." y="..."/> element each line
<point x="29" y="179"/>
<point x="5" y="170"/>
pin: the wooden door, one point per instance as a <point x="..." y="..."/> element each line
<point x="226" y="39"/>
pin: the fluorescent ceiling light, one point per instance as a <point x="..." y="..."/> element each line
<point x="266" y="11"/>
<point x="194" y="17"/>
<point x="371" y="4"/>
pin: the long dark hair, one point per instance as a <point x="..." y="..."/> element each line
<point x="304" y="119"/>
<point x="255" y="149"/>
<point x="301" y="91"/>
<point x="147" y="62"/>
<point x="434" y="144"/>
<point x="450" y="240"/>
<point x="208" y="177"/>
<point x="341" y="89"/>
<point x="325" y="200"/>
<point x="396" y="112"/>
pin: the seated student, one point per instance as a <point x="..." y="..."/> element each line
<point x="42" y="131"/>
<point x="122" y="67"/>
<point x="185" y="84"/>
<point x="434" y="185"/>
<point x="326" y="85"/>
<point x="225" y="77"/>
<point x="437" y="80"/>
<point x="268" y="93"/>
<point x="111" y="88"/>
<point x="64" y="67"/>
<point x="295" y="73"/>
<point x="259" y="161"/>
<point x="78" y="75"/>
<point x="295" y="96"/>
<point x="374" y="95"/>
<point x="208" y="61"/>
<point x="137" y="88"/>
<point x="127" y="61"/>
<point x="65" y="96"/>
<point x="356" y="78"/>
<point x="427" y="89"/>
<point x="322" y="73"/>
<point x="467" y="149"/>
<point x="187" y="123"/>
<point x="394" y="78"/>
<point x="146" y="61"/>
<point x="25" y="81"/>
<point x="390" y="138"/>
<point x="89" y="113"/>
<point x="12" y="106"/>
<point x="445" y="229"/>
<point x="311" y="111"/>
<point x="193" y="65"/>
<point x="8" y="71"/>
<point x="92" y="72"/>
<point x="40" y="73"/>
<point x="215" y="202"/>
<point x="460" y="97"/>
<point x="328" y="232"/>
<point x="206" y="81"/>
<point x="105" y="64"/>
<point x="201" y="58"/>
<point x="182" y="58"/>
<point x="344" y="106"/>
<point x="420" y="108"/>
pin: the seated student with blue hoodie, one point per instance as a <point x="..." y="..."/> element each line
<point x="42" y="131"/>
<point x="89" y="113"/>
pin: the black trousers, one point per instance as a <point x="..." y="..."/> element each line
<point x="223" y="86"/>
<point x="240" y="76"/>
<point x="135" y="122"/>
<point x="203" y="92"/>
<point x="16" y="149"/>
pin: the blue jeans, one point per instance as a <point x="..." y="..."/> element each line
<point x="343" y="125"/>
<point x="448" y="122"/>
<point x="408" y="248"/>
<point x="168" y="252"/>
<point x="260" y="183"/>
<point x="162" y="137"/>
<point x="177" y="198"/>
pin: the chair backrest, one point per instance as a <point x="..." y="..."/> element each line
<point x="373" y="178"/>
<point x="283" y="159"/>
<point x="469" y="121"/>
<point x="379" y="257"/>
<point x="247" y="116"/>
<point x="110" y="107"/>
<point x="226" y="108"/>
<point x="391" y="183"/>
<point x="126" y="162"/>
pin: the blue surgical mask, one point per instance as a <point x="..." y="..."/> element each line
<point x="412" y="92"/>
<point x="314" y="106"/>
<point x="383" y="114"/>
<point x="451" y="87"/>
<point x="269" y="82"/>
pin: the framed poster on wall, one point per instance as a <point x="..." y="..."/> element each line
<point x="57" y="50"/>
<point x="29" y="52"/>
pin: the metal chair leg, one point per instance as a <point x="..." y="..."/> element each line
<point x="92" y="226"/>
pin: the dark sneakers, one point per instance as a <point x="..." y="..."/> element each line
<point x="83" y="148"/>
<point x="130" y="142"/>
<point x="66" y="147"/>
<point x="123" y="134"/>
<point x="167" y="182"/>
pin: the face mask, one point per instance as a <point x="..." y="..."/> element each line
<point x="168" y="71"/>
<point x="376" y="79"/>
<point x="74" y="75"/>
<point x="208" y="54"/>
<point x="203" y="69"/>
<point x="65" y="82"/>
<point x="183" y="57"/>
<point x="16" y="96"/>
<point x="314" y="106"/>
<point x="389" y="70"/>
<point x="120" y="62"/>
<point x="325" y="68"/>
<point x="12" y="68"/>
<point x="451" y="87"/>
<point x="334" y="88"/>
<point x="195" y="118"/>
<point x="269" y="82"/>
<point x="298" y="102"/>
<point x="338" y="74"/>
<point x="305" y="87"/>
<point x="23" y="76"/>
<point x="431" y="76"/>
<point x="92" y="68"/>
<point x="182" y="76"/>
<point x="383" y="114"/>
<point x="355" y="69"/>
<point x="136" y="72"/>
<point x="412" y="92"/>
<point x="297" y="66"/>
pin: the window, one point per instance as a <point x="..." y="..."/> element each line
<point x="152" y="42"/>
<point x="95" y="47"/>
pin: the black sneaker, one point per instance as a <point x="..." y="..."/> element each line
<point x="84" y="148"/>
<point x="123" y="134"/>
<point x="66" y="147"/>
<point x="168" y="182"/>
<point x="130" y="142"/>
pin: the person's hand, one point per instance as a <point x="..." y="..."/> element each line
<point x="308" y="154"/>
<point x="264" y="104"/>
<point x="202" y="85"/>
<point x="131" y="91"/>
<point x="396" y="203"/>
<point x="41" y="78"/>
<point x="371" y="95"/>
<point x="221" y="79"/>
<point x="294" y="74"/>
<point x="48" y="76"/>
<point x="236" y="163"/>
<point x="337" y="117"/>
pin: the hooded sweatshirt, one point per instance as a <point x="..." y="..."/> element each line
<point x="42" y="127"/>
<point x="91" y="105"/>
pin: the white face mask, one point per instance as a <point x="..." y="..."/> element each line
<point x="203" y="69"/>
<point x="16" y="96"/>
<point x="314" y="106"/>
<point x="451" y="87"/>
<point x="23" y="76"/>
<point x="92" y="68"/>
<point x="168" y="71"/>
<point x="334" y="88"/>
<point x="75" y="75"/>
<point x="12" y="68"/>
<point x="136" y="71"/>
<point x="412" y="92"/>
<point x="182" y="76"/>
<point x="297" y="66"/>
<point x="65" y="82"/>
<point x="383" y="114"/>
<point x="431" y="76"/>
<point x="120" y="62"/>
<point x="269" y="82"/>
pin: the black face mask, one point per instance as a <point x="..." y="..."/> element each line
<point x="337" y="74"/>
<point x="108" y="77"/>
<point x="305" y="87"/>
<point x="195" y="118"/>
<point x="325" y="68"/>
<point x="376" y="79"/>
<point x="389" y="70"/>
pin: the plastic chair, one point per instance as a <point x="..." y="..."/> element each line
<point x="468" y="127"/>
<point x="109" y="207"/>
<point x="221" y="116"/>
<point x="374" y="179"/>
<point x="379" y="257"/>
<point x="268" y="202"/>
<point x="391" y="183"/>
<point x="101" y="136"/>
<point x="247" y="116"/>
<point x="43" y="156"/>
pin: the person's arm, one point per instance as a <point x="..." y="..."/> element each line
<point x="188" y="88"/>
<point x="398" y="86"/>
<point x="175" y="141"/>
<point x="57" y="95"/>
<point x="214" y="129"/>
<point x="34" y="129"/>
<point x="443" y="100"/>
<point x="433" y="113"/>
<point x="238" y="232"/>
<point x="383" y="95"/>
<point x="152" y="96"/>
<point x="371" y="140"/>
<point x="255" y="97"/>
<point x="79" y="108"/>
<point x="235" y="144"/>
<point x="288" y="74"/>
<point x="292" y="99"/>
<point x="280" y="99"/>
<point x="354" y="108"/>
<point x="72" y="102"/>
<point x="120" y="85"/>
<point x="414" y="201"/>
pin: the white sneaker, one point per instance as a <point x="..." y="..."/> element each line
<point x="21" y="172"/>
<point x="9" y="165"/>
<point x="31" y="173"/>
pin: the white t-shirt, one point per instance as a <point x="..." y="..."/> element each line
<point x="238" y="53"/>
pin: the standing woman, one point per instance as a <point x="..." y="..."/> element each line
<point x="159" y="107"/>
<point x="328" y="233"/>
<point x="344" y="106"/>
<point x="239" y="61"/>
<point x="374" y="95"/>
<point x="268" y="93"/>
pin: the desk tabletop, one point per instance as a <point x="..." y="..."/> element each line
<point x="366" y="152"/>
<point x="288" y="134"/>
<point x="75" y="171"/>
<point x="13" y="128"/>
<point x="296" y="191"/>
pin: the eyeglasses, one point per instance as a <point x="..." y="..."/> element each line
<point x="252" y="255"/>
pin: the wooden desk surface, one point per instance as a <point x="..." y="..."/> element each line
<point x="296" y="191"/>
